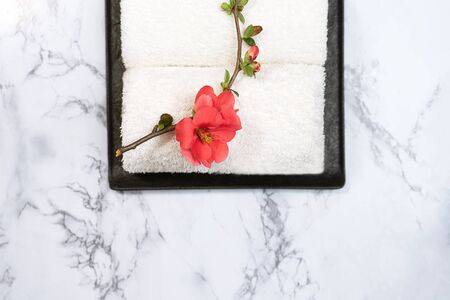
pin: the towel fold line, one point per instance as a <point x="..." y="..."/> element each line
<point x="222" y="65"/>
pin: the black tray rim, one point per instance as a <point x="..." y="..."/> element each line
<point x="333" y="176"/>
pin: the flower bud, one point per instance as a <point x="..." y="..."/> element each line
<point x="165" y="121"/>
<point x="256" y="66"/>
<point x="257" y="30"/>
<point x="252" y="53"/>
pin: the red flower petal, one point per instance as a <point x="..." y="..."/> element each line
<point x="206" y="90"/>
<point x="190" y="158"/>
<point x="220" y="151"/>
<point x="225" y="100"/>
<point x="203" y="101"/>
<point x="207" y="163"/>
<point x="185" y="133"/>
<point x="231" y="119"/>
<point x="223" y="134"/>
<point x="207" y="117"/>
<point x="201" y="152"/>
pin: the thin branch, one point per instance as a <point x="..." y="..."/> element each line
<point x="237" y="69"/>
<point x="153" y="134"/>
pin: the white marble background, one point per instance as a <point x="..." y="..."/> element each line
<point x="65" y="235"/>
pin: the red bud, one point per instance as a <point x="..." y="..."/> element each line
<point x="253" y="53"/>
<point x="256" y="66"/>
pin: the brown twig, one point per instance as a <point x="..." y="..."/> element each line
<point x="237" y="69"/>
<point x="153" y="134"/>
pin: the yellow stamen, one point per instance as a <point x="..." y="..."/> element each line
<point x="204" y="136"/>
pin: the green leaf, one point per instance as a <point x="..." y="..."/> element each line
<point x="235" y="92"/>
<point x="249" y="31"/>
<point x="243" y="2"/>
<point x="232" y="3"/>
<point x="250" y="41"/>
<point x="224" y="86"/>
<point x="227" y="76"/>
<point x="247" y="59"/>
<point x="241" y="17"/>
<point x="225" y="6"/>
<point x="248" y="70"/>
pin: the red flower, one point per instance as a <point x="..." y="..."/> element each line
<point x="253" y="53"/>
<point x="203" y="138"/>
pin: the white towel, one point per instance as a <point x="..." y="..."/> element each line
<point x="173" y="48"/>
<point x="198" y="33"/>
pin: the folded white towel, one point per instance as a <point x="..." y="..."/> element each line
<point x="173" y="48"/>
<point x="198" y="33"/>
<point x="281" y="114"/>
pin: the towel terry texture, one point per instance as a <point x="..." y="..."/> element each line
<point x="173" y="48"/>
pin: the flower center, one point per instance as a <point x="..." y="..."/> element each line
<point x="205" y="136"/>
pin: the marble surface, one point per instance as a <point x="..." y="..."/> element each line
<point x="65" y="235"/>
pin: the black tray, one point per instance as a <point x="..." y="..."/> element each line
<point x="334" y="171"/>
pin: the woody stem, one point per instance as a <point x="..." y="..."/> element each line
<point x="153" y="134"/>
<point x="237" y="68"/>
